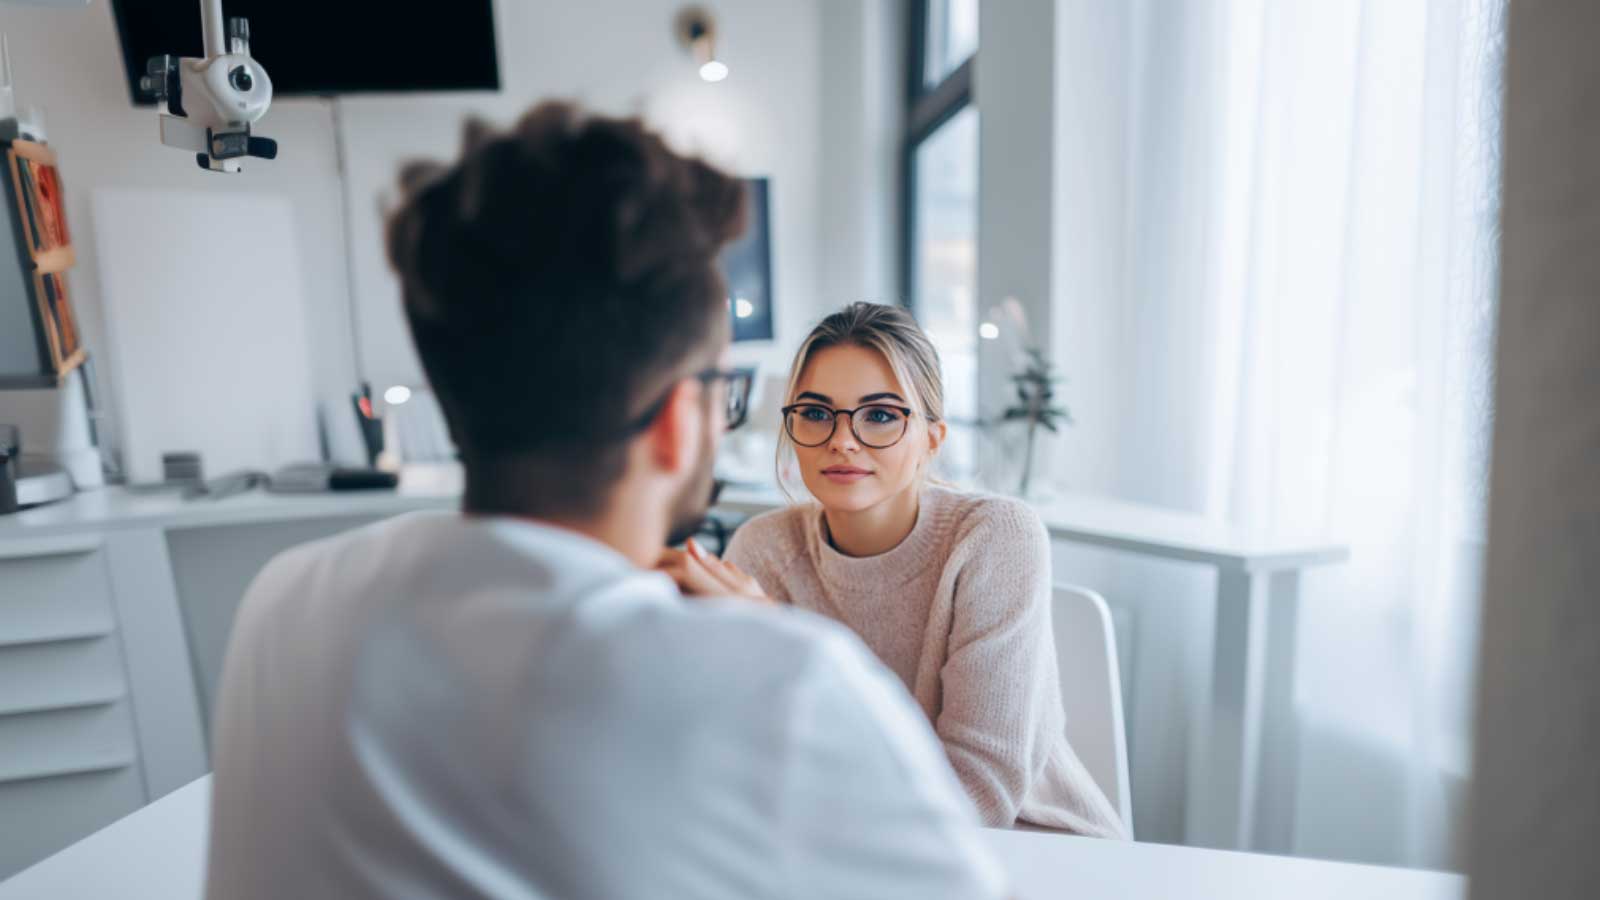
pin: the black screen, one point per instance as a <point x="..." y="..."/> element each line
<point x="747" y="267"/>
<point x="331" y="46"/>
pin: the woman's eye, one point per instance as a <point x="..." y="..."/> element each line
<point x="883" y="416"/>
<point x="814" y="414"/>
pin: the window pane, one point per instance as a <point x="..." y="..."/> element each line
<point x="951" y="38"/>
<point x="945" y="266"/>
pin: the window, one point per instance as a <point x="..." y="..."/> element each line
<point x="944" y="278"/>
<point x="950" y="38"/>
<point x="940" y="239"/>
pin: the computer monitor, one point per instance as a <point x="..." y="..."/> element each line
<point x="747" y="267"/>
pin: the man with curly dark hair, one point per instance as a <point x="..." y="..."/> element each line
<point x="507" y="701"/>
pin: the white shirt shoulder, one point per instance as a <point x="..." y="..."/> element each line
<point x="492" y="702"/>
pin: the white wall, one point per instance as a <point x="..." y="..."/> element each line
<point x="862" y="114"/>
<point x="832" y="206"/>
<point x="1014" y="93"/>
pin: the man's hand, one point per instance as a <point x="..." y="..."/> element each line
<point x="699" y="574"/>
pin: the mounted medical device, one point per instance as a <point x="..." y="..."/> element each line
<point x="212" y="102"/>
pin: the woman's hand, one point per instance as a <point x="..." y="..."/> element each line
<point x="699" y="574"/>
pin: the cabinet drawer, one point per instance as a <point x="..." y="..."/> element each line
<point x="60" y="742"/>
<point x="61" y="674"/>
<point x="41" y="816"/>
<point x="59" y="595"/>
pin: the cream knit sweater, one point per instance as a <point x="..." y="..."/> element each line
<point x="960" y="611"/>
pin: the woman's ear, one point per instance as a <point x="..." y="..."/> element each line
<point x="936" y="435"/>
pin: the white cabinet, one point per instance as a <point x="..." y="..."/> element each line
<point x="69" y="754"/>
<point x="115" y="611"/>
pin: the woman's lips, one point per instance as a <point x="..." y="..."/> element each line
<point x="844" y="474"/>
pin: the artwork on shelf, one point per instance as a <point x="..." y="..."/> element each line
<point x="41" y="206"/>
<point x="52" y="215"/>
<point x="40" y="255"/>
<point x="60" y="325"/>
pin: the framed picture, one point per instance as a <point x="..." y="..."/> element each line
<point x="41" y="206"/>
<point x="43" y="330"/>
<point x="59" y="324"/>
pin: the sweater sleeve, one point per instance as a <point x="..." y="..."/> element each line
<point x="1001" y="719"/>
<point x="758" y="547"/>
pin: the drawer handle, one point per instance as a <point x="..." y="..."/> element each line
<point x="104" y="699"/>
<point x="110" y="764"/>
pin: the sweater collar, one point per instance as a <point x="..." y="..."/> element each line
<point x="869" y="574"/>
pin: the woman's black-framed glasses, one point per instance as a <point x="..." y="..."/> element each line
<point x="737" y="408"/>
<point x="877" y="425"/>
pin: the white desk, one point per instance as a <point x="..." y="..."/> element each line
<point x="118" y="509"/>
<point x="1258" y="587"/>
<point x="158" y="853"/>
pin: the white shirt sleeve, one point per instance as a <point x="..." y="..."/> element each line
<point x="871" y="807"/>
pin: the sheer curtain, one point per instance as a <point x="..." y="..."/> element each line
<point x="1310" y="277"/>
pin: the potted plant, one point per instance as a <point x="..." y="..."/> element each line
<point x="1035" y="407"/>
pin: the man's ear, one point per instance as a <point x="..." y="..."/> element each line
<point x="673" y="438"/>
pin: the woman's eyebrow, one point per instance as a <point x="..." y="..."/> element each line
<point x="884" y="395"/>
<point x="813" y="395"/>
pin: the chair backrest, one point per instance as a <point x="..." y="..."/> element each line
<point x="1091" y="691"/>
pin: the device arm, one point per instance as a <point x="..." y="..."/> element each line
<point x="211" y="28"/>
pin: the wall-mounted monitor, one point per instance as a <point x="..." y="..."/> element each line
<point x="326" y="48"/>
<point x="747" y="266"/>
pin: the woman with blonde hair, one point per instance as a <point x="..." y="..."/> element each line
<point x="951" y="590"/>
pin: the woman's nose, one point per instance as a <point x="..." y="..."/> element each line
<point x="844" y="437"/>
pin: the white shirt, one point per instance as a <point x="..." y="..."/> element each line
<point x="442" y="706"/>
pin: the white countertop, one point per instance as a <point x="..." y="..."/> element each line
<point x="116" y="507"/>
<point x="1104" y="522"/>
<point x="158" y="853"/>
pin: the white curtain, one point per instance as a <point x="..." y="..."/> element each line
<point x="1309" y="281"/>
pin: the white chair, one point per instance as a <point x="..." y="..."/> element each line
<point x="1091" y="691"/>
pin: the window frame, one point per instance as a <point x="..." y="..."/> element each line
<point x="927" y="108"/>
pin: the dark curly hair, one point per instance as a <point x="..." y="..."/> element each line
<point x="557" y="278"/>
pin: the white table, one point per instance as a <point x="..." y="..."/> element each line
<point x="158" y="853"/>
<point x="1252" y="690"/>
